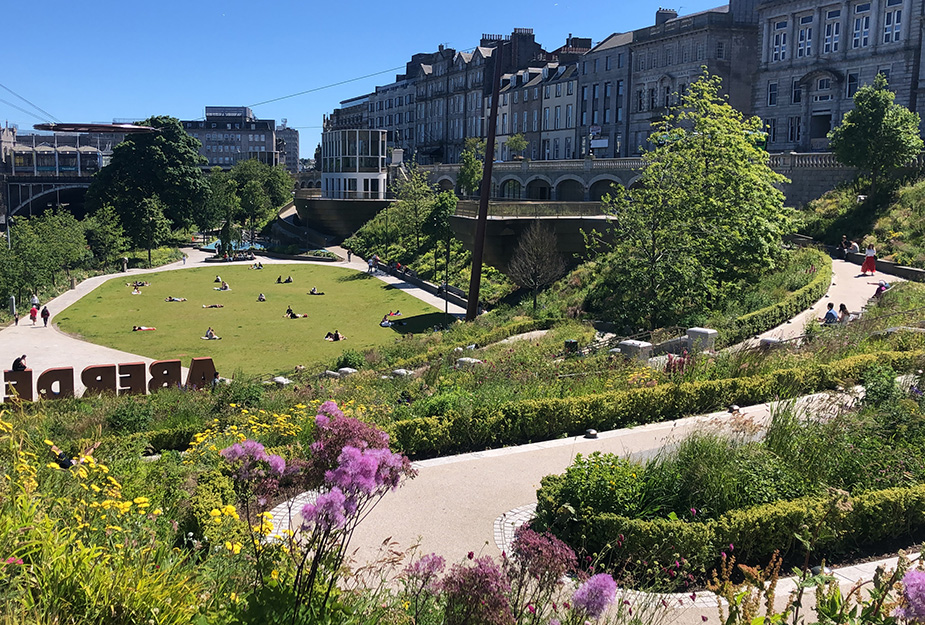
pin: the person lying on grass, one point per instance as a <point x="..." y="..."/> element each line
<point x="174" y="299"/>
<point x="213" y="305"/>
<point x="315" y="291"/>
<point x="142" y="329"/>
<point x="335" y="336"/>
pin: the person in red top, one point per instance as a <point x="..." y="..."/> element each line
<point x="33" y="314"/>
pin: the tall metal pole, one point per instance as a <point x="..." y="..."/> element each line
<point x="478" y="248"/>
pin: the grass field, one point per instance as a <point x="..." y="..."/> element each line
<point x="256" y="338"/>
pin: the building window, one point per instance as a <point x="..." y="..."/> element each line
<point x="596" y="65"/>
<point x="852" y="84"/>
<point x="779" y="48"/>
<point x="832" y="33"/>
<point x="595" y="116"/>
<point x="653" y="99"/>
<point x="640" y="106"/>
<point x="568" y="116"/>
<point x="795" y="130"/>
<point x="699" y="51"/>
<point x="885" y="71"/>
<point x="595" y="91"/>
<point x="570" y="88"/>
<point x="796" y="92"/>
<point x="861" y="37"/>
<point x="515" y="97"/>
<point x="606" y="115"/>
<point x="515" y="126"/>
<point x="685" y="53"/>
<point x="607" y="63"/>
<point x="620" y="60"/>
<point x="584" y="118"/>
<point x="535" y="119"/>
<point x="720" y="49"/>
<point x="584" y="93"/>
<point x="546" y="91"/>
<point x="667" y="97"/>
<point x="805" y="41"/>
<point x="772" y="94"/>
<point x="584" y="67"/>
<point x="546" y="118"/>
<point x="771" y="127"/>
<point x="892" y="24"/>
<point x="555" y="147"/>
<point x="536" y="93"/>
<point x="558" y="118"/>
<point x="558" y="89"/>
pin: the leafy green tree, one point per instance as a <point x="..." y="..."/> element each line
<point x="223" y="195"/>
<point x="517" y="144"/>
<point x="276" y="181"/>
<point x="255" y="203"/>
<point x="414" y="202"/>
<point x="65" y="244"/>
<point x="150" y="226"/>
<point x="105" y="235"/>
<point x="535" y="263"/>
<point x="163" y="164"/>
<point x="877" y="135"/>
<point x="437" y="225"/>
<point x="705" y="215"/>
<point x="471" y="161"/>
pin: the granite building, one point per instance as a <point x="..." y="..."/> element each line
<point x="232" y="133"/>
<point x="813" y="56"/>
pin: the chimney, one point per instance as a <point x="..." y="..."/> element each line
<point x="663" y="15"/>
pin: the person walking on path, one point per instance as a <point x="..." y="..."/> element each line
<point x="870" y="260"/>
<point x="33" y="313"/>
<point x="45" y="315"/>
<point x="349" y="256"/>
<point x="35" y="299"/>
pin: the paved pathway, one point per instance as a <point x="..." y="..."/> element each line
<point x="471" y="502"/>
<point x="48" y="347"/>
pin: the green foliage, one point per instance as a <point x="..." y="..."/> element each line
<point x="706" y="214"/>
<point x="759" y="321"/>
<point x="536" y="263"/>
<point x="351" y="358"/>
<point x="148" y="227"/>
<point x="517" y="143"/>
<point x="105" y="235"/>
<point x="164" y="165"/>
<point x="879" y="385"/>
<point x="133" y="416"/>
<point x="470" y="173"/>
<point x="876" y="135"/>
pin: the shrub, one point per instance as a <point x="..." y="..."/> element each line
<point x="131" y="416"/>
<point x="350" y="358"/>
<point x="879" y="385"/>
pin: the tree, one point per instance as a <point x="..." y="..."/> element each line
<point x="65" y="245"/>
<point x="705" y="215"/>
<point x="517" y="143"/>
<point x="877" y="135"/>
<point x="470" y="166"/>
<point x="164" y="164"/>
<point x="276" y="181"/>
<point x="255" y="203"/>
<point x="223" y="195"/>
<point x="535" y="263"/>
<point x="438" y="226"/>
<point x="414" y="200"/>
<point x="149" y="225"/>
<point x="105" y="235"/>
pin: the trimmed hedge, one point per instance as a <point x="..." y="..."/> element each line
<point x="871" y="519"/>
<point x="544" y="419"/>
<point x="492" y="336"/>
<point x="772" y="316"/>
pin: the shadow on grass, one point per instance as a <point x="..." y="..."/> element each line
<point x="418" y="324"/>
<point x="353" y="276"/>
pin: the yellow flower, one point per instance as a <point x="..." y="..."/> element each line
<point x="157" y="512"/>
<point x="215" y="512"/>
<point x="95" y="488"/>
<point x="274" y="574"/>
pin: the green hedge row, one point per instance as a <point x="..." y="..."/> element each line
<point x="869" y="520"/>
<point x="176" y="439"/>
<point x="492" y="336"/>
<point x="545" y="419"/>
<point x="772" y="316"/>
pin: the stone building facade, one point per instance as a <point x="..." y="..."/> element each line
<point x="229" y="134"/>
<point x="288" y="141"/>
<point x="813" y="57"/>
<point x="603" y="80"/>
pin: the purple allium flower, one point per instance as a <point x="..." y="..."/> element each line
<point x="595" y="595"/>
<point x="335" y="431"/>
<point x="477" y="594"/>
<point x="277" y="464"/>
<point x="913" y="596"/>
<point x="423" y="573"/>
<point x="543" y="555"/>
<point x="327" y="512"/>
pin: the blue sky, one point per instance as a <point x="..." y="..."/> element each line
<point x="101" y="60"/>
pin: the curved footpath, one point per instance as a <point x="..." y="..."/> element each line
<point x="46" y="348"/>
<point x="471" y="502"/>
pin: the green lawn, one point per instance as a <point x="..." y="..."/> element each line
<point x="256" y="338"/>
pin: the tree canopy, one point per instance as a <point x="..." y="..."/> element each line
<point x="163" y="164"/>
<point x="471" y="161"/>
<point x="877" y="135"/>
<point x="536" y="263"/>
<point x="705" y="214"/>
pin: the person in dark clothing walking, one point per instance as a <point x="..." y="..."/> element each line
<point x="45" y="315"/>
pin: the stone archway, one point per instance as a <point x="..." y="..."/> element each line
<point x="600" y="188"/>
<point x="570" y="190"/>
<point x="510" y="189"/>
<point x="539" y="189"/>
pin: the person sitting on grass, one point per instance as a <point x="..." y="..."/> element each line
<point x="136" y="291"/>
<point x="294" y="315"/>
<point x="385" y="323"/>
<point x="210" y="335"/>
<point x="142" y="329"/>
<point x="288" y="280"/>
<point x="261" y="298"/>
<point x="259" y="265"/>
<point x="218" y="279"/>
<point x="224" y="287"/>
<point x="334" y="336"/>
<point x="174" y="299"/>
<point x="844" y="316"/>
<point x="315" y="291"/>
<point x="213" y="305"/>
<point x="279" y="279"/>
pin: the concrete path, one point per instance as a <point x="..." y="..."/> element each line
<point x="848" y="287"/>
<point x="46" y="348"/>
